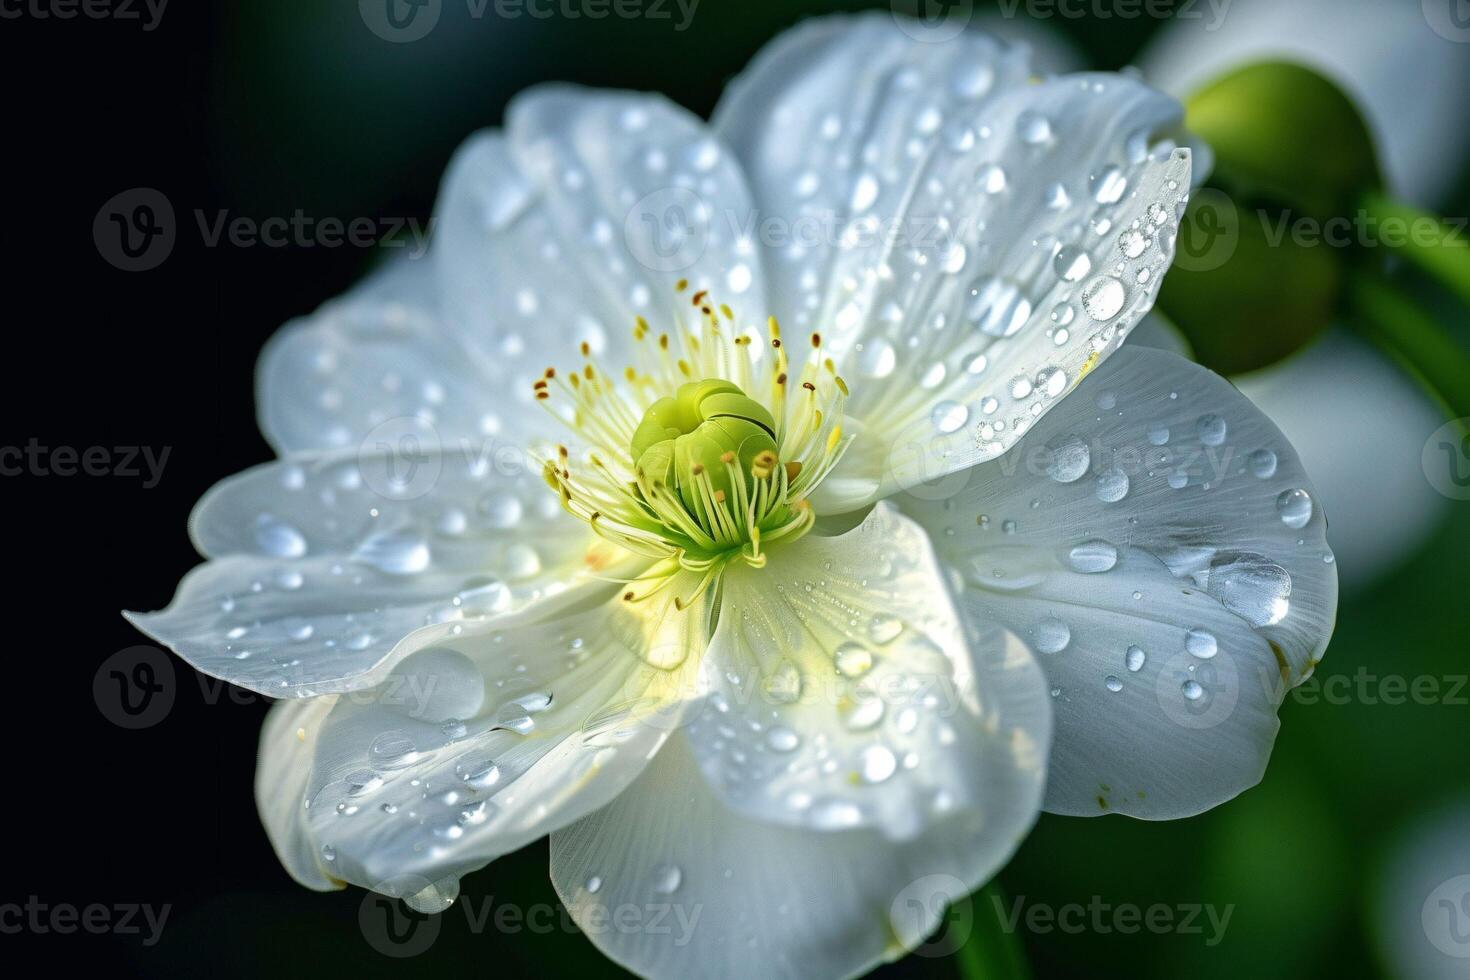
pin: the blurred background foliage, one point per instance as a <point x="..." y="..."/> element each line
<point x="305" y="108"/>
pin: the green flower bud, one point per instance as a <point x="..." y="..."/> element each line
<point x="1283" y="134"/>
<point x="1244" y="293"/>
<point x="692" y="432"/>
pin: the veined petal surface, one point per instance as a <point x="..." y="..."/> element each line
<point x="972" y="241"/>
<point x="1156" y="541"/>
<point x="844" y="691"/>
<point x="321" y="566"/>
<point x="487" y="737"/>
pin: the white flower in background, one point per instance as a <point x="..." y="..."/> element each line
<point x="807" y="614"/>
<point x="1421" y="910"/>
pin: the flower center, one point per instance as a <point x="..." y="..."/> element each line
<point x="707" y="446"/>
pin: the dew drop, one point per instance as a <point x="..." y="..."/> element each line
<point x="1295" y="508"/>
<point x="1263" y="464"/>
<point x="853" y="660"/>
<point x="1211" y="429"/>
<point x="1135" y="658"/>
<point x="1092" y="557"/>
<point x="877" y="764"/>
<point x="949" y="416"/>
<point x="667" y="878"/>
<point x="1103" y="298"/>
<point x="1052" y="636"/>
<point x="1112" y="486"/>
<point x="1201" y="643"/>
<point x="1072" y="263"/>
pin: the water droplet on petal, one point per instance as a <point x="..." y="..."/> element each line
<point x="1295" y="508"/>
<point x="1051" y="636"/>
<point x="1092" y="557"/>
<point x="1103" y="298"/>
<point x="1201" y="643"/>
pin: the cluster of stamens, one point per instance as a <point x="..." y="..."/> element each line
<point x="703" y="451"/>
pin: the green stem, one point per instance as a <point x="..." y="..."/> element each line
<point x="1423" y="239"/>
<point x="990" y="952"/>
<point x="1383" y="314"/>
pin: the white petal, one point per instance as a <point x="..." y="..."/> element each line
<point x="1050" y="50"/>
<point x="1406" y="63"/>
<point x="1333" y="400"/>
<point x="482" y="741"/>
<point x="287" y="747"/>
<point x="843" y="691"/>
<point x="984" y="241"/>
<point x="583" y="215"/>
<point x="742" y="897"/>
<point x="322" y="566"/>
<point x="1422" y="911"/>
<point x="378" y="366"/>
<point x="1157" y="509"/>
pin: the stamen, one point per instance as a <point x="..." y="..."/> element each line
<point x="702" y="516"/>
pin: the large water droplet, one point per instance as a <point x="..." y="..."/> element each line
<point x="877" y="764"/>
<point x="1103" y="298"/>
<point x="1112" y="486"/>
<point x="278" y="539"/>
<point x="949" y="416"/>
<point x="1108" y="186"/>
<point x="1201" y="643"/>
<point x="1295" y="508"/>
<point x="1067" y="459"/>
<point x="1051" y="636"/>
<point x="1072" y="263"/>
<point x="1092" y="557"/>
<point x="1253" y="587"/>
<point x="1211" y="429"/>
<point x="667" y="878"/>
<point x="853" y="660"/>
<point x="1135" y="658"/>
<point x="477" y="769"/>
<point x="395" y="552"/>
<point x="1263" y="464"/>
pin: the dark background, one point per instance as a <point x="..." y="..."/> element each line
<point x="270" y="106"/>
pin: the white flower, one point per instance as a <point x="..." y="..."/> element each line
<point x="784" y="731"/>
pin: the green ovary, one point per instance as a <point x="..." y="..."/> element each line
<point x="696" y="432"/>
